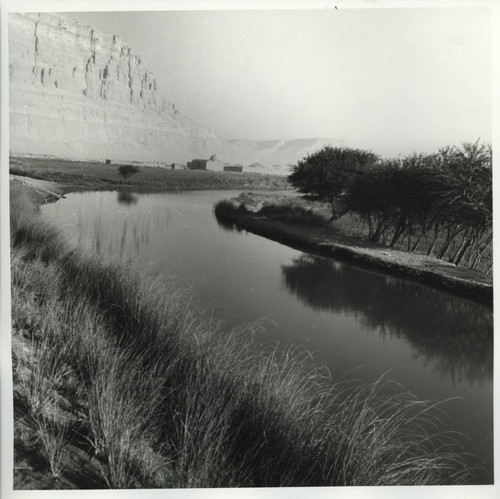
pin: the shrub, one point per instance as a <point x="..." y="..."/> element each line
<point x="126" y="171"/>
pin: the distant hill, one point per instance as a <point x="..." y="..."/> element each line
<point x="273" y="156"/>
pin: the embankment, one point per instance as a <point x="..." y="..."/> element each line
<point x="463" y="282"/>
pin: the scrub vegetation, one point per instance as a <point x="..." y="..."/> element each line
<point x="123" y="382"/>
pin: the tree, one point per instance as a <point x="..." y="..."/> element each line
<point x="328" y="174"/>
<point x="467" y="201"/>
<point x="127" y="171"/>
<point x="373" y="197"/>
<point x="441" y="203"/>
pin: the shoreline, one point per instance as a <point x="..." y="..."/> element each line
<point x="460" y="281"/>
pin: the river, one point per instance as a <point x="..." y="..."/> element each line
<point x="361" y="324"/>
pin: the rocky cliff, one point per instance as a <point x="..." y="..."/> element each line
<point x="78" y="93"/>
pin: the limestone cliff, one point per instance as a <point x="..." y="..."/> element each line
<point x="78" y="93"/>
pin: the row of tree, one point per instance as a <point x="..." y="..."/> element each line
<point x="440" y="203"/>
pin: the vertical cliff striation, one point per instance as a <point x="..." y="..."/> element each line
<point x="78" y="93"/>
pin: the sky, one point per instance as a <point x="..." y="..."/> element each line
<point x="395" y="81"/>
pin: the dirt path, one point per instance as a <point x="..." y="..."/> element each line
<point x="43" y="189"/>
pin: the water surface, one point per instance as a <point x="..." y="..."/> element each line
<point x="362" y="324"/>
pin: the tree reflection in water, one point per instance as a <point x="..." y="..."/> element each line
<point x="456" y="332"/>
<point x="127" y="197"/>
<point x="227" y="225"/>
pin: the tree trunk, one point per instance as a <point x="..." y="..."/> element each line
<point x="462" y="249"/>
<point x="409" y="234"/>
<point x="465" y="246"/>
<point x="400" y="227"/>
<point x="370" y="227"/>
<point x="451" y="233"/>
<point x="434" y="240"/>
<point x="480" y="252"/>
<point x="332" y="209"/>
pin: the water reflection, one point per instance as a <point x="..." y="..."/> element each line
<point x="458" y="333"/>
<point x="227" y="225"/>
<point x="127" y="197"/>
<point x="122" y="231"/>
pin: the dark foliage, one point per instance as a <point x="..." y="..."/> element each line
<point x="126" y="171"/>
<point x="439" y="204"/>
<point x="328" y="174"/>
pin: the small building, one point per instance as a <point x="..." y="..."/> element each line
<point x="198" y="164"/>
<point x="206" y="164"/>
<point x="234" y="168"/>
<point x="177" y="166"/>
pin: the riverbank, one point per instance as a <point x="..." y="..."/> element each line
<point x="121" y="381"/>
<point x="73" y="176"/>
<point x="307" y="233"/>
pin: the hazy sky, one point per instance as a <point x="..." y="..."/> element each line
<point x="390" y="80"/>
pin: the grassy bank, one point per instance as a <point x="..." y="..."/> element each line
<point x="293" y="222"/>
<point x="80" y="175"/>
<point x="121" y="381"/>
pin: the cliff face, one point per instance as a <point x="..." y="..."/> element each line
<point x="78" y="93"/>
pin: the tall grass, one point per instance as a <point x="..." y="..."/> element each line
<point x="41" y="373"/>
<point x="167" y="398"/>
<point x="40" y="386"/>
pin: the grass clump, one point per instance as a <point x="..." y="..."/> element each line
<point x="150" y="391"/>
